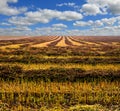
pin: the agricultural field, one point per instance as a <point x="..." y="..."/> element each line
<point x="60" y="73"/>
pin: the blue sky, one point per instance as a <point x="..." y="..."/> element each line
<point x="60" y="17"/>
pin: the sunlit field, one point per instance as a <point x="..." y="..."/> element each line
<point x="60" y="73"/>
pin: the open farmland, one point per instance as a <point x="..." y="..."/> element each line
<point x="60" y="73"/>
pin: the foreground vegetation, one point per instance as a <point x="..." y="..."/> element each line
<point x="70" y="78"/>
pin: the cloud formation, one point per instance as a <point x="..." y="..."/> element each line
<point x="71" y="4"/>
<point x="93" y="7"/>
<point x="93" y="17"/>
<point x="105" y="21"/>
<point x="60" y="25"/>
<point x="90" y="9"/>
<point x="5" y="9"/>
<point x="44" y="16"/>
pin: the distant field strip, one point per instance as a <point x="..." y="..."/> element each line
<point x="99" y="43"/>
<point x="104" y="43"/>
<point x="115" y="43"/>
<point x="74" y="42"/>
<point x="108" y="43"/>
<point x="62" y="43"/>
<point x="85" y="42"/>
<point x="55" y="42"/>
<point x="45" y="44"/>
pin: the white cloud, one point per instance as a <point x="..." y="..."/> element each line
<point x="15" y="31"/>
<point x="106" y="31"/>
<point x="5" y="24"/>
<point x="98" y="23"/>
<point x="70" y="15"/>
<point x="48" y="31"/>
<point x="83" y="23"/>
<point x="105" y="22"/>
<point x="44" y="16"/>
<point x="5" y="9"/>
<point x="102" y="6"/>
<point x="55" y="29"/>
<point x="98" y="2"/>
<point x="20" y="21"/>
<point x="114" y="7"/>
<point x="109" y="21"/>
<point x="90" y="9"/>
<point x="118" y="22"/>
<point x="71" y="4"/>
<point x="104" y="27"/>
<point x="60" y="25"/>
<point x="25" y="28"/>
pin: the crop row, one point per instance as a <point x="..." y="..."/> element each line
<point x="52" y="44"/>
<point x="8" y="72"/>
<point x="37" y="59"/>
<point x="64" y="51"/>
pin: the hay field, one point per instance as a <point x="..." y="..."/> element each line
<point x="60" y="73"/>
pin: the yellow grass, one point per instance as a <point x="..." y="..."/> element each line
<point x="62" y="56"/>
<point x="74" y="39"/>
<point x="11" y="46"/>
<point x="55" y="87"/>
<point x="68" y="57"/>
<point x="90" y="43"/>
<point x="45" y="44"/>
<point x="62" y="43"/>
<point x="87" y="67"/>
<point x="104" y="43"/>
<point x="73" y="42"/>
<point x="86" y="42"/>
<point x="115" y="43"/>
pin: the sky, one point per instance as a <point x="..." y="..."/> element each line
<point x="60" y="17"/>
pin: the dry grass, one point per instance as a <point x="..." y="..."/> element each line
<point x="46" y="43"/>
<point x="90" y="43"/>
<point x="60" y="78"/>
<point x="86" y="42"/>
<point x="11" y="46"/>
<point x="115" y="43"/>
<point x="56" y="93"/>
<point x="73" y="42"/>
<point x="62" y="43"/>
<point x="87" y="67"/>
<point x="104" y="43"/>
<point x="57" y="87"/>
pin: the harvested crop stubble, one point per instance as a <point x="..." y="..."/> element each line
<point x="46" y="43"/>
<point x="85" y="42"/>
<point x="73" y="42"/>
<point x="62" y="43"/>
<point x="66" y="77"/>
<point x="11" y="46"/>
